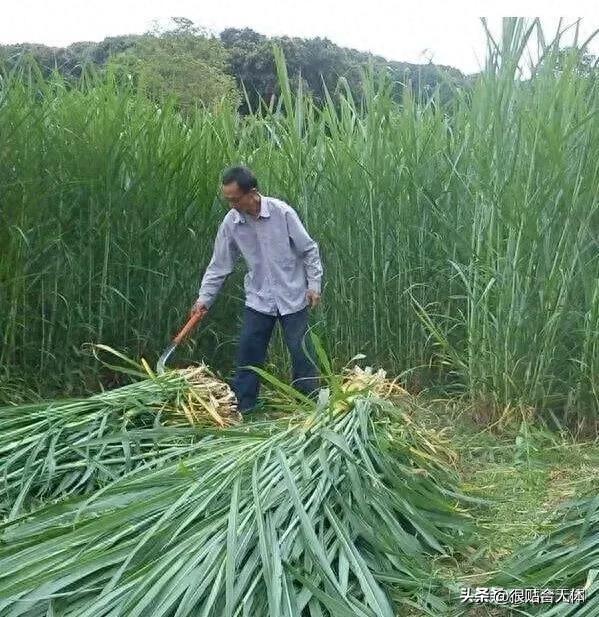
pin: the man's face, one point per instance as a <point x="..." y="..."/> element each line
<point x="237" y="198"/>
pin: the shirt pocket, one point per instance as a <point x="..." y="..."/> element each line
<point x="282" y="252"/>
<point x="288" y="263"/>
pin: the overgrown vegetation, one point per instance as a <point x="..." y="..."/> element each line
<point x="459" y="240"/>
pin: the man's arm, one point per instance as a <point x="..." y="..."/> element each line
<point x="223" y="260"/>
<point x="307" y="248"/>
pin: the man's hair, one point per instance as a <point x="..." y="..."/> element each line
<point x="244" y="177"/>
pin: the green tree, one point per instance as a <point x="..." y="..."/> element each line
<point x="319" y="63"/>
<point x="184" y="62"/>
<point x="578" y="59"/>
<point x="68" y="61"/>
<point x="252" y="63"/>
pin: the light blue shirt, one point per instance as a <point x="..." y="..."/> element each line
<point x="283" y="261"/>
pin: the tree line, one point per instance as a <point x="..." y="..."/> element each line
<point x="195" y="66"/>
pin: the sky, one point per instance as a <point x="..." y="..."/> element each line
<point x="445" y="32"/>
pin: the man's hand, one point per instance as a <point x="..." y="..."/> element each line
<point x="198" y="307"/>
<point x="313" y="298"/>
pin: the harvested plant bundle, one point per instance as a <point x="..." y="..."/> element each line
<point x="55" y="449"/>
<point x="285" y="518"/>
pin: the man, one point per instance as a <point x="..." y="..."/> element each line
<point x="283" y="280"/>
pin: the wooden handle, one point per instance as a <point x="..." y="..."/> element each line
<point x="188" y="327"/>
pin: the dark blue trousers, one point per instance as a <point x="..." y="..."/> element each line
<point x="255" y="336"/>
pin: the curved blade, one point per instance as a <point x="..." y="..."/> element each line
<point x="192" y="322"/>
<point x="160" y="365"/>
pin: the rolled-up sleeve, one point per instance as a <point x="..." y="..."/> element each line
<point x="307" y="248"/>
<point x="223" y="260"/>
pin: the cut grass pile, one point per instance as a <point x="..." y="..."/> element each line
<point x="55" y="449"/>
<point x="351" y="505"/>
<point x="333" y="510"/>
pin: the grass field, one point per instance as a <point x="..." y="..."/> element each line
<point x="460" y="248"/>
<point x="459" y="241"/>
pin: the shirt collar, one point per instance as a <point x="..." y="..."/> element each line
<point x="264" y="211"/>
<point x="264" y="207"/>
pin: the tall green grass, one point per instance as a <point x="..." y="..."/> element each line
<point x="460" y="241"/>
